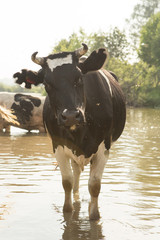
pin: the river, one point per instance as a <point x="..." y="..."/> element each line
<point x="31" y="194"/>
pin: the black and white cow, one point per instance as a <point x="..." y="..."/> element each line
<point x="84" y="113"/>
<point x="27" y="108"/>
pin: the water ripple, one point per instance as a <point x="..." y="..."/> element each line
<point x="31" y="194"/>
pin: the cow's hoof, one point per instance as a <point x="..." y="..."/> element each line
<point x="94" y="216"/>
<point x="93" y="213"/>
<point x="67" y="208"/>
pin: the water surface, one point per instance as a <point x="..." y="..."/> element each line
<point x="31" y="195"/>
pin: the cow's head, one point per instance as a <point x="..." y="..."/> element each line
<point x="63" y="81"/>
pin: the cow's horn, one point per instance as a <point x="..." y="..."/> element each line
<point x="38" y="60"/>
<point x="81" y="51"/>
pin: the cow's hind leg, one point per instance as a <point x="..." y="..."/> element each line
<point x="67" y="177"/>
<point x="96" y="170"/>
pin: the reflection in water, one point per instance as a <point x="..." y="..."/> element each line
<point x="31" y="195"/>
<point x="140" y="170"/>
<point x="76" y="227"/>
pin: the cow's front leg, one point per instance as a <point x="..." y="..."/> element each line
<point x="76" y="176"/>
<point x="96" y="170"/>
<point x="67" y="177"/>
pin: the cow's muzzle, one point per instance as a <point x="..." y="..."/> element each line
<point x="70" y="118"/>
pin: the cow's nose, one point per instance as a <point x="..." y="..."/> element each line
<point x="70" y="118"/>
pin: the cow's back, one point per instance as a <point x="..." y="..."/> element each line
<point x="6" y="99"/>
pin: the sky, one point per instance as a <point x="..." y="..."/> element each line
<point x="27" y="26"/>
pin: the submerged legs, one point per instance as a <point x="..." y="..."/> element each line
<point x="71" y="180"/>
<point x="76" y="175"/>
<point x="67" y="177"/>
<point x="96" y="170"/>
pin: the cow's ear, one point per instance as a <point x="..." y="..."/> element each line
<point x="29" y="77"/>
<point x="95" y="61"/>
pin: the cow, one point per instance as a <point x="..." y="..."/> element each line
<point x="84" y="112"/>
<point x="27" y="108"/>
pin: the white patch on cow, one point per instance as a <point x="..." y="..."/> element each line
<point x="53" y="63"/>
<point x="99" y="160"/>
<point x="63" y="161"/>
<point x="80" y="160"/>
<point x="107" y="80"/>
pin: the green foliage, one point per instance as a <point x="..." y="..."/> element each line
<point x="139" y="82"/>
<point x="74" y="42"/>
<point x="142" y="11"/>
<point x="130" y="78"/>
<point x="8" y="88"/>
<point x="17" y="88"/>
<point x="115" y="41"/>
<point x="152" y="97"/>
<point x="149" y="50"/>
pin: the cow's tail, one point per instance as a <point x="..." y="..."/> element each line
<point x="8" y="115"/>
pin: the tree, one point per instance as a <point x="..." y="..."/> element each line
<point x="73" y="42"/>
<point x="149" y="50"/>
<point x="141" y="13"/>
<point x="18" y="88"/>
<point x="149" y="53"/>
<point x="114" y="41"/>
<point x="144" y="10"/>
